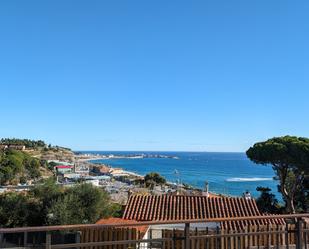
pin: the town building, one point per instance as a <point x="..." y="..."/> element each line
<point x="196" y="209"/>
<point x="12" y="146"/>
<point x="3" y="146"/>
<point x="182" y="207"/>
<point x="64" y="169"/>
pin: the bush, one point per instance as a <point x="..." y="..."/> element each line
<point x="267" y="202"/>
<point x="17" y="210"/>
<point x="16" y="166"/>
<point x="154" y="178"/>
<point x="82" y="203"/>
<point x="33" y="144"/>
<point x="51" y="204"/>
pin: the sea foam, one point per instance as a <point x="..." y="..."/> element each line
<point x="248" y="179"/>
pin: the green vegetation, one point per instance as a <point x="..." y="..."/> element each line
<point x="17" y="210"/>
<point x="80" y="204"/>
<point x="289" y="157"/>
<point x="18" y="167"/>
<point x="154" y="178"/>
<point x="50" y="204"/>
<point x="47" y="203"/>
<point x="188" y="186"/>
<point x="267" y="202"/>
<point x="40" y="150"/>
<point x="30" y="144"/>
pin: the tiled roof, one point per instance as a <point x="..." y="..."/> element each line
<point x="64" y="167"/>
<point x="115" y="221"/>
<point x="166" y="207"/>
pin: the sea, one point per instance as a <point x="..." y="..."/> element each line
<point x="226" y="173"/>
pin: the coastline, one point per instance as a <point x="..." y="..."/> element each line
<point x="122" y="172"/>
<point x="230" y="174"/>
<point x="89" y="159"/>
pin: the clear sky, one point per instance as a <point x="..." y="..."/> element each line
<point x="154" y="75"/>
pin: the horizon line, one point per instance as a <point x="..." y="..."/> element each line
<point x="158" y="151"/>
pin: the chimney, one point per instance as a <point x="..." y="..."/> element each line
<point x="247" y="195"/>
<point x="129" y="193"/>
<point x="206" y="192"/>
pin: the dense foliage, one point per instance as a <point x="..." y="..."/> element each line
<point x="267" y="202"/>
<point x="154" y="178"/>
<point x="51" y="204"/>
<point x="17" y="210"/>
<point x="18" y="167"/>
<point x="32" y="144"/>
<point x="81" y="204"/>
<point x="289" y="157"/>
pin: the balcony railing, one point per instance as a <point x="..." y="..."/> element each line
<point x="249" y="232"/>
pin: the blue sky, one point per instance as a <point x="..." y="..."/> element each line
<point x="154" y="75"/>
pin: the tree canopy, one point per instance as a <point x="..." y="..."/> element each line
<point x="28" y="143"/>
<point x="154" y="178"/>
<point x="18" y="167"/>
<point x="80" y="204"/>
<point x="16" y="210"/>
<point x="267" y="202"/>
<point x="289" y="157"/>
<point x="51" y="204"/>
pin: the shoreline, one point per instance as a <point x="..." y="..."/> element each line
<point x="228" y="183"/>
<point x="108" y="156"/>
<point x="168" y="183"/>
<point x="90" y="159"/>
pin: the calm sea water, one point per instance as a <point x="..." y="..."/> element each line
<point x="227" y="173"/>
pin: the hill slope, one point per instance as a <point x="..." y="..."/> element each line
<point x="30" y="163"/>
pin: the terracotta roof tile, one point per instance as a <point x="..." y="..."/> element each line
<point x="180" y="207"/>
<point x="115" y="221"/>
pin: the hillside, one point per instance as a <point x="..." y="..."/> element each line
<point x="39" y="149"/>
<point x="19" y="167"/>
<point x="53" y="153"/>
<point x="24" y="160"/>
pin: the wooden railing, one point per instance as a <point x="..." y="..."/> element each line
<point x="292" y="233"/>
